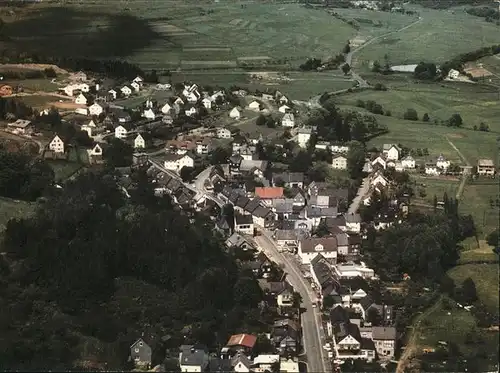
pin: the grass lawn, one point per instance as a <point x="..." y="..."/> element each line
<point x="476" y="201"/>
<point x="35" y="85"/>
<point x="10" y="208"/>
<point x="434" y="187"/>
<point x="485" y="277"/>
<point x="474" y="251"/>
<point x="38" y="101"/>
<point x="63" y="169"/>
<point x="440" y="35"/>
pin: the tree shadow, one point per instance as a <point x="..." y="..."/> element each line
<point x="66" y="32"/>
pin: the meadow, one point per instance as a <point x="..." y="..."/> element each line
<point x="10" y="208"/>
<point x="439" y="36"/>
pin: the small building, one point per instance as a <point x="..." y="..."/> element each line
<point x="243" y="224"/>
<point x="190" y="112"/>
<point x="254" y="105"/>
<point x="95" y="109"/>
<point x="269" y="193"/>
<point x="288" y="120"/>
<point x="81" y="99"/>
<point x="391" y="151"/>
<point x="149" y="114"/>
<point x="339" y="162"/>
<point x="207" y="103"/>
<point x="166" y="108"/>
<point x="95" y="154"/>
<point x="223" y="133"/>
<point x="126" y="91"/>
<point x="141" y="354"/>
<point x="175" y="162"/>
<point x="310" y="247"/>
<point x="57" y="145"/>
<point x="139" y="142"/>
<point x="289" y="366"/>
<point x="235" y="113"/>
<point x="242" y="342"/>
<point x="384" y="339"/>
<point x="193" y="358"/>
<point x="21" y="126"/>
<point x="121" y="132"/>
<point x="408" y="162"/>
<point x="303" y="137"/>
<point x="112" y="94"/>
<point x="453" y="74"/>
<point x="135" y="86"/>
<point x="284" y="109"/>
<point x="485" y="167"/>
<point x="442" y="163"/>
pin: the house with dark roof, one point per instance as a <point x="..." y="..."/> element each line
<point x="285" y="336"/>
<point x="310" y="247"/>
<point x="263" y="217"/>
<point x="240" y="363"/>
<point x="289" y="179"/>
<point x="243" y="223"/>
<point x="384" y="339"/>
<point x="261" y="266"/>
<point x="350" y="345"/>
<point x="141" y="353"/>
<point x="324" y="278"/>
<point x="236" y="240"/>
<point x="240" y="203"/>
<point x="193" y="358"/>
<point x="241" y="343"/>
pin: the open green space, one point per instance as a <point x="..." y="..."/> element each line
<point x="34" y="85"/>
<point x="485" y="277"/>
<point x="439" y="36"/>
<point x="63" y="169"/>
<point x="10" y="209"/>
<point x="38" y="101"/>
<point x="477" y="251"/>
<point x="476" y="200"/>
<point x="434" y="187"/>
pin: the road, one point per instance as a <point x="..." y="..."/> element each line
<point x="311" y="319"/>
<point x="465" y="174"/>
<point x="362" y="191"/>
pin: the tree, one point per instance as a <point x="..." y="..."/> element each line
<point x="455" y="121"/>
<point x="301" y="162"/>
<point x="220" y="155"/>
<point x="346" y="68"/>
<point x="328" y="302"/>
<point x="426" y="118"/>
<point x="347" y="48"/>
<point x="118" y="153"/>
<point x="360" y="103"/>
<point x="492" y="238"/>
<point x="469" y="294"/>
<point x="374" y="317"/>
<point x="261" y="120"/>
<point x="435" y="203"/>
<point x="484" y="127"/>
<point x="376" y="68"/>
<point x="447" y="285"/>
<point x="425" y="71"/>
<point x="410" y="114"/>
<point x="355" y="159"/>
<point x="187" y="174"/>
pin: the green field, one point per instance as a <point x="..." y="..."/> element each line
<point x="64" y="169"/>
<point x="434" y="187"/>
<point x="485" y="277"/>
<point x="38" y="101"/>
<point x="167" y="34"/>
<point x="439" y="36"/>
<point x="476" y="201"/>
<point x="10" y="208"/>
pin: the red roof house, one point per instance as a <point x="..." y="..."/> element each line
<point x="243" y="340"/>
<point x="269" y="192"/>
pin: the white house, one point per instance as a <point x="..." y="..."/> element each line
<point x="193" y="358"/>
<point x="149" y="104"/>
<point x="175" y="162"/>
<point x="391" y="152"/>
<point x="303" y="137"/>
<point x="139" y="142"/>
<point x="254" y="105"/>
<point x="432" y="169"/>
<point x="56" y="145"/>
<point x="166" y="109"/>
<point x="89" y="128"/>
<point x="335" y="148"/>
<point x="191" y="111"/>
<point x="223" y="133"/>
<point x="95" y="109"/>
<point x="380" y="161"/>
<point x="442" y="163"/>
<point x="453" y="74"/>
<point x="408" y="162"/>
<point x="95" y="151"/>
<point x="243" y="224"/>
<point x="138" y="80"/>
<point x="135" y="86"/>
<point x="235" y="113"/>
<point x="112" y="93"/>
<point x="121" y="132"/>
<point x="353" y="222"/>
<point x="284" y="109"/>
<point x="339" y="162"/>
<point x="126" y="91"/>
<point x="310" y="247"/>
<point x="149" y="114"/>
<point x="379" y="179"/>
<point x="207" y="103"/>
<point x="192" y="97"/>
<point x="288" y="120"/>
<point x="283" y="100"/>
<point x="178" y="101"/>
<point x="82" y="111"/>
<point x="353" y="270"/>
<point x="81" y="99"/>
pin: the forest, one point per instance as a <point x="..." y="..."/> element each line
<point x="92" y="270"/>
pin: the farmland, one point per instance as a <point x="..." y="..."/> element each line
<point x="439" y="36"/>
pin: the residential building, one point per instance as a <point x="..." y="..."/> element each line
<point x="289" y="179"/>
<point x="408" y="162"/>
<point x="235" y="113"/>
<point x="112" y="94"/>
<point x="391" y="152"/>
<point x="21" y="126"/>
<point x="352" y="270"/>
<point x="285" y="336"/>
<point x="442" y="163"/>
<point x="149" y="114"/>
<point x="95" y="154"/>
<point x="353" y="222"/>
<point x="193" y="358"/>
<point x="207" y="103"/>
<point x="175" y="162"/>
<point x="339" y="162"/>
<point x="241" y="342"/>
<point x="288" y="120"/>
<point x="166" y="109"/>
<point x="254" y="105"/>
<point x="379" y="162"/>
<point x="324" y="278"/>
<point x="241" y="363"/>
<point x="385" y="341"/>
<point x="81" y="99"/>
<point x="191" y="111"/>
<point x="95" y="109"/>
<point x="310" y="247"/>
<point x="284" y="109"/>
<point x="126" y="91"/>
<point x="140" y="354"/>
<point x="289" y="366"/>
<point x="139" y="142"/>
<point x="135" y="86"/>
<point x="453" y="74"/>
<point x="432" y="169"/>
<point x="303" y="136"/>
<point x="57" y="145"/>
<point x="485" y="167"/>
<point x="223" y="133"/>
<point x="254" y="167"/>
<point x="203" y="146"/>
<point x="243" y="224"/>
<point x="339" y="148"/>
<point x="121" y="132"/>
<point x="269" y="193"/>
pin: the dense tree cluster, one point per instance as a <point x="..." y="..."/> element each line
<point x="21" y="177"/>
<point x="425" y="71"/>
<point x="94" y="265"/>
<point x="29" y="74"/>
<point x="488" y="13"/>
<point x="10" y="108"/>
<point x="458" y="62"/>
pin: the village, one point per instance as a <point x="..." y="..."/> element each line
<point x="279" y="221"/>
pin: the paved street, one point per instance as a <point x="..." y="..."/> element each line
<point x="311" y="319"/>
<point x="362" y="191"/>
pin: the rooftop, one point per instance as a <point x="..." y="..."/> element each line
<point x="485" y="163"/>
<point x="269" y="192"/>
<point x="245" y="340"/>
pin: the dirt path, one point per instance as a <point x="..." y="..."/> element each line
<point x="466" y="171"/>
<point x="412" y="346"/>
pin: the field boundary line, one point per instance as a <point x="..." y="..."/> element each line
<point x="465" y="173"/>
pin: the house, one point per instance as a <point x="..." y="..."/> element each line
<point x="165" y="109"/>
<point x="284" y="109"/>
<point x="453" y="74"/>
<point x="289" y="366"/>
<point x="269" y="193"/>
<point x="339" y="148"/>
<point x="265" y="363"/>
<point x="353" y="222"/>
<point x="339" y="162"/>
<point x="178" y="101"/>
<point x="141" y="353"/>
<point x="289" y="179"/>
<point x="139" y="142"/>
<point x="81" y="99"/>
<point x="285" y="336"/>
<point x="432" y="169"/>
<point x="57" y="145"/>
<point x="285" y="298"/>
<point x="352" y="270"/>
<point x="138" y="80"/>
<point x="95" y="154"/>
<point x="243" y="224"/>
<point x="234" y="163"/>
<point x="207" y="103"/>
<point x="442" y="163"/>
<point x="485" y="167"/>
<point x="90" y="128"/>
<point x="391" y="151"/>
<point x="310" y="247"/>
<point x="112" y="94"/>
<point x="193" y="358"/>
<point x="175" y="162"/>
<point x="283" y="100"/>
<point x="254" y="105"/>
<point x="385" y="341"/>
<point x="378" y="178"/>
<point x="288" y="120"/>
<point x="95" y="109"/>
<point x="21" y="126"/>
<point x="5" y="90"/>
<point x="191" y="111"/>
<point x="267" y="97"/>
<point x="255" y="167"/>
<point x="379" y="162"/>
<point x="126" y="91"/>
<point x="324" y="279"/>
<point x="241" y="363"/>
<point x="223" y="133"/>
<point x="261" y="266"/>
<point x="167" y="119"/>
<point x="149" y="114"/>
<point x="241" y="342"/>
<point x="236" y="240"/>
<point x="303" y="137"/>
<point x="408" y="162"/>
<point x="191" y="93"/>
<point x="121" y="132"/>
<point x="135" y="86"/>
<point x="235" y="113"/>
